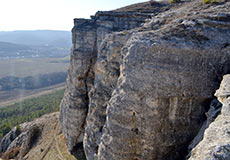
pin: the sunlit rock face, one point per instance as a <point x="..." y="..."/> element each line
<point x="87" y="38"/>
<point x="138" y="89"/>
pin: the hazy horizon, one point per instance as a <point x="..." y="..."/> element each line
<point x="51" y="14"/>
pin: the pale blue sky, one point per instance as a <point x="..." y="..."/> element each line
<point x="51" y="14"/>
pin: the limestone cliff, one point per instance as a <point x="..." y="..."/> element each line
<point x="139" y="83"/>
<point x="87" y="38"/>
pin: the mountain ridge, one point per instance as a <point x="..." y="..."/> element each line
<point x="32" y="44"/>
<point x="36" y="37"/>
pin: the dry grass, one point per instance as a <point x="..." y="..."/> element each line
<point x="146" y="7"/>
<point x="51" y="144"/>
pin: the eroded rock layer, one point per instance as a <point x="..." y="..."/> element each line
<point x="139" y="84"/>
<point x="87" y="37"/>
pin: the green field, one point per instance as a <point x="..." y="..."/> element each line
<point x="32" y="66"/>
<point x="28" y="110"/>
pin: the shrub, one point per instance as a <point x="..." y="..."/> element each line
<point x="124" y="33"/>
<point x="209" y="1"/>
<point x="18" y="131"/>
<point x="175" y="1"/>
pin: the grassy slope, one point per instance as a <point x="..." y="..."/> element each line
<point x="28" y="110"/>
<point x="51" y="141"/>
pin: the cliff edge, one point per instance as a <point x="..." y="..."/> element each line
<point x="140" y="81"/>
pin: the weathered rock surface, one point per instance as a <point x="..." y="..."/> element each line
<point x="8" y="139"/>
<point x="216" y="142"/>
<point x="139" y="84"/>
<point x="40" y="139"/>
<point x="87" y="37"/>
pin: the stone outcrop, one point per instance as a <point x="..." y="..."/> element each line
<point x="40" y="139"/>
<point x="139" y="84"/>
<point x="8" y="139"/>
<point x="216" y="142"/>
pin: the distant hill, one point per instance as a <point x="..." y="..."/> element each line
<point x="40" y="43"/>
<point x="37" y="37"/>
<point x="12" y="47"/>
<point x="14" y="50"/>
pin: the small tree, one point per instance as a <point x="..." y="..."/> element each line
<point x="18" y="131"/>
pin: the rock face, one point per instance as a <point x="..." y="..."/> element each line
<point x="40" y="139"/>
<point x="214" y="111"/>
<point x="216" y="142"/>
<point x="87" y="37"/>
<point x="139" y="85"/>
<point x="8" y="139"/>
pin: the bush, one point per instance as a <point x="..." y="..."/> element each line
<point x="175" y="1"/>
<point x="209" y="1"/>
<point x="18" y="131"/>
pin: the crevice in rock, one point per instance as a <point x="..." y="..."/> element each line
<point x="225" y="45"/>
<point x="78" y="151"/>
<point x="212" y="108"/>
<point x="215" y="143"/>
<point x="89" y="77"/>
<point x="222" y="17"/>
<point x="211" y="115"/>
<point x="178" y="154"/>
